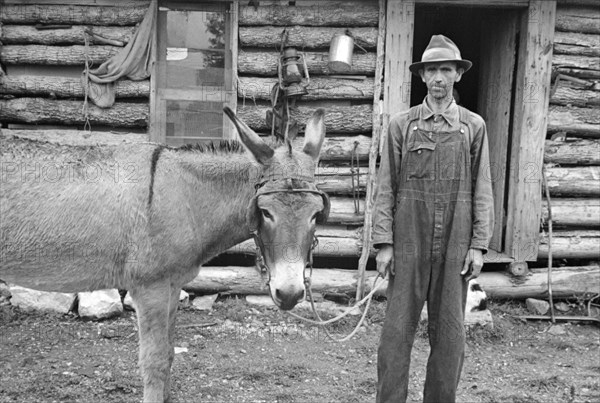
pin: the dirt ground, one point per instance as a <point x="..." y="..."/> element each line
<point x="242" y="353"/>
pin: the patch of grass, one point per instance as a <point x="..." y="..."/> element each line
<point x="561" y="344"/>
<point x="484" y="334"/>
<point x="547" y="384"/>
<point x="234" y="309"/>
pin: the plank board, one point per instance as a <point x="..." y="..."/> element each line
<point x="529" y="129"/>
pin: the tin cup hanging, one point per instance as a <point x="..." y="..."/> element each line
<point x="340" y="53"/>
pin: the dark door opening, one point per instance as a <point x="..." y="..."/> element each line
<point x="489" y="38"/>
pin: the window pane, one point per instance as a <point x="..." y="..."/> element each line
<point x="194" y="119"/>
<point x="195" y="29"/>
<point x="195" y="68"/>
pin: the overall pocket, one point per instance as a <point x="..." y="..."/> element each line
<point x="420" y="161"/>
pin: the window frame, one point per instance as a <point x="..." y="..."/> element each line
<point x="228" y="95"/>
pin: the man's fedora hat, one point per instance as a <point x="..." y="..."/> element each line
<point x="440" y="49"/>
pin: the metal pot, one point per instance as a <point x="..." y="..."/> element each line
<point x="340" y="53"/>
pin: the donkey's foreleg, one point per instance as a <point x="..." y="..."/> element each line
<point x="152" y="305"/>
<point x="174" y="301"/>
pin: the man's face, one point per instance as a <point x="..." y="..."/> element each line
<point x="440" y="78"/>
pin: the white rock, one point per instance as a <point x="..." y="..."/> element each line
<point x="184" y="298"/>
<point x="562" y="306"/>
<point x="204" y="302"/>
<point x="100" y="304"/>
<point x="179" y="350"/>
<point x="128" y="302"/>
<point x="537" y="306"/>
<point x="26" y="298"/>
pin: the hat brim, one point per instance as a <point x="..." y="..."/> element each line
<point x="464" y="64"/>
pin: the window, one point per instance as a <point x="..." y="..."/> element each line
<point x="193" y="72"/>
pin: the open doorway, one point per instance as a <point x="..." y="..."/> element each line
<point x="489" y="37"/>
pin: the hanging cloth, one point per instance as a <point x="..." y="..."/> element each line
<point x="134" y="61"/>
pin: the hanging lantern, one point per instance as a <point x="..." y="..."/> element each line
<point x="293" y="73"/>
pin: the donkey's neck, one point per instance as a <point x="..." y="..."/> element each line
<point x="211" y="193"/>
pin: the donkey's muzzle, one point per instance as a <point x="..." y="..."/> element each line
<point x="288" y="300"/>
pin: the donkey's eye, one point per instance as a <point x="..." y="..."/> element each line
<point x="266" y="214"/>
<point x="314" y="217"/>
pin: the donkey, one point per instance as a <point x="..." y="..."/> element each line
<point x="146" y="217"/>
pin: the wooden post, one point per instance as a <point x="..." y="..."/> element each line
<point x="398" y="50"/>
<point x="373" y="152"/>
<point x="529" y="130"/>
<point x="228" y="128"/>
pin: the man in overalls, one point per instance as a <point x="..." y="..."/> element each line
<point x="432" y="222"/>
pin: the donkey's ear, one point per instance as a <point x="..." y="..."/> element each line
<point x="261" y="150"/>
<point x="315" y="134"/>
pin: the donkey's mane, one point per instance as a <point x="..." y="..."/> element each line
<point x="223" y="146"/>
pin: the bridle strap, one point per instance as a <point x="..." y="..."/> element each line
<point x="266" y="192"/>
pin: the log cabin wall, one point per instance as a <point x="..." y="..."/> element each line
<point x="41" y="92"/>
<point x="347" y="98"/>
<point x="44" y="52"/>
<point x="572" y="151"/>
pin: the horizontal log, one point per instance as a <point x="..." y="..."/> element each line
<point x="580" y="152"/>
<point x="579" y="73"/>
<point x="342" y="148"/>
<point x="319" y="88"/>
<point x="73" y="14"/>
<point x="578" y="19"/>
<point x="570" y="182"/>
<point x="567" y="95"/>
<point x="322" y="14"/>
<point x="583" y="122"/>
<point x="573" y="212"/>
<point x="45" y="111"/>
<point x="340" y="181"/>
<point x="571" y="245"/>
<point x="576" y="62"/>
<point x="343" y="211"/>
<point x="66" y="87"/>
<point x="565" y="245"/>
<point x="566" y="3"/>
<point x="247" y="281"/>
<point x="572" y="43"/>
<point x="567" y="282"/>
<point x="338" y="119"/>
<point x="78" y="137"/>
<point x="304" y="37"/>
<point x="265" y="63"/>
<point x="28" y="34"/>
<point x="56" y="55"/>
<point x="334" y="241"/>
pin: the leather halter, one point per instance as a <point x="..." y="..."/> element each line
<point x="259" y="259"/>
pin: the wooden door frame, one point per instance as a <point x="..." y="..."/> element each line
<point x="529" y="120"/>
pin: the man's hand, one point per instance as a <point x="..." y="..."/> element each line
<point x="385" y="260"/>
<point x="473" y="264"/>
